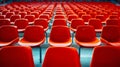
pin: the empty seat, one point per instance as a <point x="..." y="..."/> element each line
<point x="96" y="23"/>
<point x="73" y="16"/>
<point x="45" y="16"/>
<point x="47" y="13"/>
<point x="22" y="14"/>
<point x="75" y="23"/>
<point x="8" y="35"/>
<point x="9" y="14"/>
<point x="111" y="35"/>
<point x="101" y="17"/>
<point x="106" y="56"/>
<point x="0" y="13"/>
<point x="86" y="17"/>
<point x="4" y="22"/>
<point x="113" y="17"/>
<point x="2" y="16"/>
<point x="59" y="17"/>
<point x="33" y="36"/>
<point x="14" y="17"/>
<point x="113" y="22"/>
<point x="14" y="56"/>
<point x="93" y="14"/>
<point x="30" y="18"/>
<point x="42" y="22"/>
<point x="21" y="24"/>
<point x="85" y="36"/>
<point x="61" y="57"/>
<point x="4" y="12"/>
<point x="81" y="13"/>
<point x="59" y="13"/>
<point x="57" y="22"/>
<point x="36" y="14"/>
<point x="60" y="36"/>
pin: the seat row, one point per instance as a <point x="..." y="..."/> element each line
<point x="59" y="36"/>
<point x="68" y="10"/>
<point x="103" y="56"/>
<point x="23" y="23"/>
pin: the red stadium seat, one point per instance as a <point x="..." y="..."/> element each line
<point x="113" y="17"/>
<point x="14" y="56"/>
<point x="2" y="16"/>
<point x="14" y="17"/>
<point x="59" y="17"/>
<point x="21" y="24"/>
<point x="61" y="57"/>
<point x="73" y="16"/>
<point x="36" y="14"/>
<point x="60" y="36"/>
<point x="8" y="35"/>
<point x="111" y="35"/>
<point x="113" y="22"/>
<point x="96" y="23"/>
<point x="30" y="18"/>
<point x="9" y="14"/>
<point x="75" y="23"/>
<point x="101" y="17"/>
<point x="22" y="14"/>
<point x="45" y="16"/>
<point x="57" y="22"/>
<point x="4" y="12"/>
<point x="0" y="13"/>
<point x="4" y="22"/>
<point x="106" y="56"/>
<point x="59" y="13"/>
<point x="42" y="22"/>
<point x="82" y="38"/>
<point x="86" y="17"/>
<point x="33" y="36"/>
<point x="81" y="13"/>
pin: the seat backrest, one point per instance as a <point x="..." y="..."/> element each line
<point x="2" y="16"/>
<point x="36" y="14"/>
<point x="73" y="16"/>
<point x="96" y="23"/>
<point x="113" y="22"/>
<point x="30" y="18"/>
<point x="76" y="22"/>
<point x="4" y="22"/>
<point x="9" y="14"/>
<point x="60" y="33"/>
<point x="86" y="17"/>
<point x="85" y="33"/>
<point x="59" y="17"/>
<point x="59" y="22"/>
<point x="101" y="17"/>
<point x="45" y="16"/>
<point x="22" y="14"/>
<point x="106" y="56"/>
<point x="8" y="33"/>
<point x="34" y="33"/>
<point x="42" y="22"/>
<point x="14" y="17"/>
<point x="61" y="57"/>
<point x="113" y="17"/>
<point x="111" y="33"/>
<point x="21" y="23"/>
<point x="4" y="12"/>
<point x="14" y="56"/>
